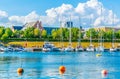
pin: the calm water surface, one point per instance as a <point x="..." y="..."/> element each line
<point x="79" y="65"/>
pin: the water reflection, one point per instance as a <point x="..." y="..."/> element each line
<point x="45" y="65"/>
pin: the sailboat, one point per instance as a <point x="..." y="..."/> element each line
<point x="100" y="48"/>
<point x="62" y="49"/>
<point x="90" y="48"/>
<point x="79" y="48"/>
<point x="69" y="48"/>
<point x="113" y="48"/>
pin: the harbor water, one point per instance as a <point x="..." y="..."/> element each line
<point x="45" y="65"/>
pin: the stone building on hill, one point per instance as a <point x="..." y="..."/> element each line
<point x="37" y="24"/>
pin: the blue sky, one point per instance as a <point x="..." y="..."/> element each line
<point x="39" y="7"/>
<point x="20" y="7"/>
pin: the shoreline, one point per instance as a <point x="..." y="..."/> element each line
<point x="65" y="44"/>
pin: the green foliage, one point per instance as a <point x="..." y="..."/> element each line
<point x="108" y="34"/>
<point x="36" y="32"/>
<point x="1" y="31"/>
<point x="54" y="34"/>
<point x="75" y="33"/>
<point x="44" y="33"/>
<point x="92" y="32"/>
<point x="29" y="32"/>
<point x="16" y="34"/>
<point x="8" y="31"/>
<point x="4" y="37"/>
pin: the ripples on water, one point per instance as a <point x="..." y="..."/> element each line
<point x="79" y="65"/>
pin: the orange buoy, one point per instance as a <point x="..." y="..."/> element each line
<point x="62" y="69"/>
<point x="104" y="72"/>
<point x="20" y="71"/>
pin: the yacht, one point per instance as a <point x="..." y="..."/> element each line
<point x="14" y="48"/>
<point x="113" y="48"/>
<point x="49" y="47"/>
<point x="69" y="49"/>
<point x="79" y="48"/>
<point x="90" y="48"/>
<point x="100" y="49"/>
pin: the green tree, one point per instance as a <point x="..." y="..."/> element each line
<point x="29" y="32"/>
<point x="16" y="34"/>
<point x="8" y="31"/>
<point x="117" y="34"/>
<point x="65" y="33"/>
<point x="4" y="37"/>
<point x="93" y="32"/>
<point x="1" y="31"/>
<point x="109" y="34"/>
<point x="36" y="32"/>
<point x="54" y="34"/>
<point x="44" y="33"/>
<point x="75" y="33"/>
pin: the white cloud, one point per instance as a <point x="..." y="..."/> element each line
<point x="3" y="14"/>
<point x="89" y="12"/>
<point x="23" y="19"/>
<point x="3" y="17"/>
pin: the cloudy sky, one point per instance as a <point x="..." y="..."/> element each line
<point x="95" y="13"/>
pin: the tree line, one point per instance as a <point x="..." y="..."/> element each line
<point x="57" y="34"/>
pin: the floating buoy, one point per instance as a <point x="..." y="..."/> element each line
<point x="20" y="71"/>
<point x="98" y="55"/>
<point x="62" y="70"/>
<point x="104" y="72"/>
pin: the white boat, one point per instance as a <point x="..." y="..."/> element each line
<point x="2" y="49"/>
<point x="69" y="49"/>
<point x="14" y="48"/>
<point x="49" y="47"/>
<point x="100" y="49"/>
<point x="90" y="48"/>
<point x="113" y="48"/>
<point x="79" y="49"/>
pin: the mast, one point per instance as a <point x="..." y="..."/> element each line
<point x="61" y="29"/>
<point x="70" y="32"/>
<point x="113" y="37"/>
<point x="79" y="32"/>
<point x="101" y="30"/>
<point x="90" y="31"/>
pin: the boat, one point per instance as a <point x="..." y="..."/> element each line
<point x="14" y="48"/>
<point x="113" y="48"/>
<point x="79" y="48"/>
<point x="2" y="49"/>
<point x="49" y="47"/>
<point x="90" y="48"/>
<point x="100" y="47"/>
<point x="69" y="48"/>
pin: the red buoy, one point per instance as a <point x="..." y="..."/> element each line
<point x="104" y="72"/>
<point x="62" y="70"/>
<point x="20" y="71"/>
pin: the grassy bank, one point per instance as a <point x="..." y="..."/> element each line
<point x="59" y="44"/>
